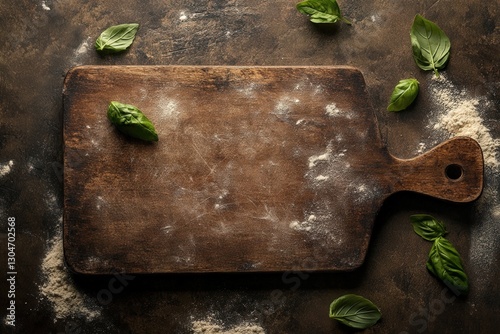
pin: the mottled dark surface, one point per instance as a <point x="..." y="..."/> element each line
<point x="38" y="46"/>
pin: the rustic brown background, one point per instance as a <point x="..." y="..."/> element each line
<point x="37" y="48"/>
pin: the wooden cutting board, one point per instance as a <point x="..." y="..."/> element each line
<point x="256" y="169"/>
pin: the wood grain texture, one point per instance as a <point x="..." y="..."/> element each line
<point x="256" y="169"/>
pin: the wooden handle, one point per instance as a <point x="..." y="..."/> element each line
<point x="451" y="171"/>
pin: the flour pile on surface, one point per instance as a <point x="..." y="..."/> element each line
<point x="58" y="287"/>
<point x="209" y="326"/>
<point x="460" y="116"/>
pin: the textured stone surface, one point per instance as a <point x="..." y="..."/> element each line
<point x="41" y="40"/>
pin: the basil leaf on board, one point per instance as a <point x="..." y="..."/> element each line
<point x="116" y="38"/>
<point x="403" y="94"/>
<point x="427" y="226"/>
<point x="355" y="311"/>
<point x="445" y="263"/>
<point x="321" y="11"/>
<point x="131" y="121"/>
<point x="430" y="45"/>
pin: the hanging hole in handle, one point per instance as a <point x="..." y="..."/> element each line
<point x="454" y="172"/>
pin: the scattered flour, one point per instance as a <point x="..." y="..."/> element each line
<point x="249" y="90"/>
<point x="284" y="107"/>
<point x="332" y="110"/>
<point x="305" y="225"/>
<point x="100" y="202"/>
<point x="44" y="6"/>
<point x="169" y="109"/>
<point x="81" y="52"/>
<point x="210" y="326"/>
<point x="321" y="178"/>
<point x="422" y="147"/>
<point x="83" y="47"/>
<point x="58" y="287"/>
<point x="6" y="168"/>
<point x="184" y="16"/>
<point x="458" y="114"/>
<point x="315" y="159"/>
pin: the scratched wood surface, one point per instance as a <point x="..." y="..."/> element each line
<point x="256" y="169"/>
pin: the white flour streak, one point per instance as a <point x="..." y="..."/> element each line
<point x="44" y="6"/>
<point x="6" y="168"/>
<point x="83" y="47"/>
<point x="315" y="159"/>
<point x="332" y="110"/>
<point x="166" y="229"/>
<point x="100" y="202"/>
<point x="183" y="16"/>
<point x="81" y="51"/>
<point x="305" y="225"/>
<point x="422" y="147"/>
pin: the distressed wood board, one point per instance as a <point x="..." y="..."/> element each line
<point x="256" y="169"/>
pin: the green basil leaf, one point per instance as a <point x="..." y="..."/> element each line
<point x="355" y="311"/>
<point x="403" y="94"/>
<point x="430" y="45"/>
<point x="321" y="11"/>
<point x="131" y="121"/>
<point x="427" y="226"/>
<point x="445" y="263"/>
<point x="116" y="38"/>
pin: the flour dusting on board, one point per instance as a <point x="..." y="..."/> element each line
<point x="249" y="90"/>
<point x="331" y="169"/>
<point x="316" y="159"/>
<point x="284" y="107"/>
<point x="169" y="110"/>
<point x="457" y="113"/>
<point x="306" y="84"/>
<point x="332" y="110"/>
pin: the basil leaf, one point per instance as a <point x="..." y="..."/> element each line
<point x="445" y="263"/>
<point x="321" y="11"/>
<point x="355" y="311"/>
<point x="427" y="227"/>
<point x="131" y="121"/>
<point x="403" y="94"/>
<point x="116" y="38"/>
<point x="430" y="45"/>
